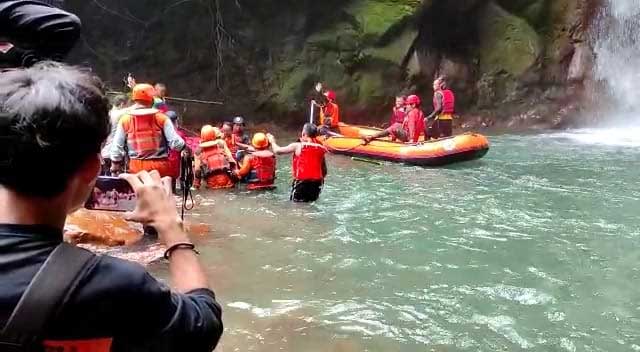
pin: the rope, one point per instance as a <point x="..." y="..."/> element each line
<point x="379" y="146"/>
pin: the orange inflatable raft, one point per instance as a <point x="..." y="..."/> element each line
<point x="464" y="147"/>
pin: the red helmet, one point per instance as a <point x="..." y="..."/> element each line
<point x="413" y="99"/>
<point x="331" y="95"/>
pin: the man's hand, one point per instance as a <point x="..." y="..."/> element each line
<point x="116" y="168"/>
<point x="270" y="137"/>
<point x="156" y="206"/>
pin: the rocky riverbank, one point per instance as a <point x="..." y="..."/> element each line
<point x="514" y="63"/>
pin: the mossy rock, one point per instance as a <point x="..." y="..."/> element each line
<point x="397" y="49"/>
<point x="376" y="17"/>
<point x="292" y="90"/>
<point x="507" y="43"/>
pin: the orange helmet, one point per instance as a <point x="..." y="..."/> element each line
<point x="209" y="133"/>
<point x="413" y="99"/>
<point x="331" y="95"/>
<point x="260" y="141"/>
<point x="143" y="92"/>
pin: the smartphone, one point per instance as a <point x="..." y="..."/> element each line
<point x="112" y="194"/>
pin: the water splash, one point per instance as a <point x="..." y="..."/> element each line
<point x="615" y="39"/>
<point x="617" y="49"/>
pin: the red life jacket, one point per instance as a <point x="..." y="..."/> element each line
<point x="397" y="116"/>
<point x="308" y="165"/>
<point x="94" y="345"/>
<point x="145" y="134"/>
<point x="448" y="101"/>
<point x="263" y="170"/>
<point x="213" y="160"/>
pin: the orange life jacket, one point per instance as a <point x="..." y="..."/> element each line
<point x="331" y="110"/>
<point x="213" y="160"/>
<point x="231" y="144"/>
<point x="145" y="134"/>
<point x="263" y="170"/>
<point x="308" y="165"/>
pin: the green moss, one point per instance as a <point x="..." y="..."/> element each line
<point x="375" y="17"/>
<point x="397" y="50"/>
<point x="507" y="43"/>
<point x="370" y="87"/>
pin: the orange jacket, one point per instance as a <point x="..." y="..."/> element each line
<point x="330" y="115"/>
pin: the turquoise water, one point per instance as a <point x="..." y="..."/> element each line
<point x="534" y="247"/>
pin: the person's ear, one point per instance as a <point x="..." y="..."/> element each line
<point x="90" y="169"/>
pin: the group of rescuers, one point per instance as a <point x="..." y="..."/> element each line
<point x="147" y="136"/>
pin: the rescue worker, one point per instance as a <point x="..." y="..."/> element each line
<point x="32" y="31"/>
<point x="411" y="128"/>
<point x="160" y="101"/>
<point x="147" y="134"/>
<point x="175" y="157"/>
<point x="317" y="99"/>
<point x="214" y="162"/>
<point x="329" y="115"/>
<point x="56" y="118"/>
<point x="414" y="122"/>
<point x="441" y="119"/>
<point x="240" y="138"/>
<point x="398" y="114"/>
<point x="259" y="167"/>
<point x="309" y="166"/>
<point x="229" y="138"/>
<point x="399" y="111"/>
<point x="118" y="109"/>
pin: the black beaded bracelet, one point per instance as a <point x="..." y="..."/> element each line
<point x="182" y="245"/>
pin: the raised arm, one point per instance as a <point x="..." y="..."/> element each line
<point x="290" y="149"/>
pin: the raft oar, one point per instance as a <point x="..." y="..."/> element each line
<point x="355" y="158"/>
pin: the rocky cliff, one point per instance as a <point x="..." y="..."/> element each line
<point x="512" y="62"/>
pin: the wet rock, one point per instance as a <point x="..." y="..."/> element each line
<point x="101" y="228"/>
<point x="581" y="63"/>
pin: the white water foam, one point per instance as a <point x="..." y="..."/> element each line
<point x="614" y="136"/>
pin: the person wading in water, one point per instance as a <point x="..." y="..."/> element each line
<point x="309" y="165"/>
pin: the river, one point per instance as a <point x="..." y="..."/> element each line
<point x="533" y="247"/>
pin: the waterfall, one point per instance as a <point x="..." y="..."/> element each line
<point x="616" y="43"/>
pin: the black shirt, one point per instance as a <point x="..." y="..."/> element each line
<point x="37" y="29"/>
<point x="116" y="299"/>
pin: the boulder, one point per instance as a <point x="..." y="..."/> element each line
<point x="507" y="43"/>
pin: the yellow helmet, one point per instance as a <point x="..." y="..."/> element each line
<point x="260" y="141"/>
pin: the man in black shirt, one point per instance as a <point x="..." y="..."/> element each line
<point x="53" y="120"/>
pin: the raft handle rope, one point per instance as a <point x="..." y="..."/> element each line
<point x="186" y="182"/>
<point x="342" y="150"/>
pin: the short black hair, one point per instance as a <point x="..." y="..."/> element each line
<point x="310" y="130"/>
<point x="53" y="118"/>
<point x="119" y="100"/>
